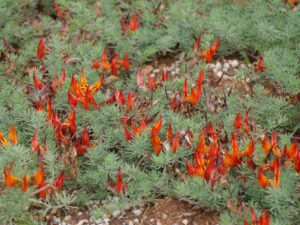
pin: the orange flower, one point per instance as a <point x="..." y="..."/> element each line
<point x="151" y="83"/>
<point x="24" y="183"/>
<point x="119" y="97"/>
<point x="120" y="185"/>
<point x="41" y="49"/>
<point x="263" y="220"/>
<point x="195" y="95"/>
<point x="208" y="54"/>
<point x="175" y="142"/>
<point x="126" y="63"/>
<point x="133" y="24"/>
<point x="60" y="180"/>
<point x="157" y="125"/>
<point x="72" y="99"/>
<point x="10" y="180"/>
<point x="238" y="121"/>
<point x="37" y="83"/>
<point x="13" y="134"/>
<point x="275" y="167"/>
<point x="34" y="143"/>
<point x="267" y="146"/>
<point x="156" y="143"/>
<point x="59" y="12"/>
<point x="3" y="140"/>
<point x="39" y="174"/>
<point x="128" y="135"/>
<point x="62" y="77"/>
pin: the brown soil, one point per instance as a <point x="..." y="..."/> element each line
<point x="171" y="212"/>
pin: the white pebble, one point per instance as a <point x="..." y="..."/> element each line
<point x="215" y="70"/>
<point x="156" y="71"/>
<point x="164" y="216"/>
<point x="234" y="63"/>
<point x="98" y="221"/>
<point x="218" y="65"/>
<point x="67" y="218"/>
<point x="63" y="223"/>
<point x="130" y="223"/>
<point x="173" y="73"/>
<point x="226" y="65"/>
<point x="79" y="214"/>
<point x="158" y="222"/>
<point x="185" y="221"/>
<point x="136" y="221"/>
<point x="177" y="70"/>
<point x="152" y="75"/>
<point x="81" y="222"/>
<point x="219" y="74"/>
<point x="225" y="69"/>
<point x="106" y="220"/>
<point x="116" y="213"/>
<point x="248" y="80"/>
<point x="137" y="212"/>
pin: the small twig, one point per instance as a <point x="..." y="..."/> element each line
<point x="39" y="190"/>
<point x="142" y="159"/>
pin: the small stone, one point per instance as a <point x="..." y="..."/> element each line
<point x="136" y="221"/>
<point x="225" y="69"/>
<point x="106" y="220"/>
<point x="156" y="71"/>
<point x="248" y="80"/>
<point x="218" y="65"/>
<point x="164" y="216"/>
<point x="98" y="221"/>
<point x="185" y="221"/>
<point x="173" y="73"/>
<point x="152" y="75"/>
<point x="63" y="223"/>
<point x="234" y="63"/>
<point x="177" y="71"/>
<point x="210" y="66"/>
<point x="226" y="65"/>
<point x="215" y="70"/>
<point x="81" y="222"/>
<point x="79" y="214"/>
<point x="130" y="223"/>
<point x="151" y="220"/>
<point x="137" y="212"/>
<point x="158" y="222"/>
<point x="67" y="218"/>
<point x="219" y="73"/>
<point x="116" y="213"/>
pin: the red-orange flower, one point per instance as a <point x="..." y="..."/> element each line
<point x="260" y="65"/>
<point x="263" y="220"/>
<point x="41" y="51"/>
<point x="37" y="83"/>
<point x="208" y="54"/>
<point x="275" y="167"/>
<point x="156" y="143"/>
<point x="13" y="137"/>
<point x="133" y="24"/>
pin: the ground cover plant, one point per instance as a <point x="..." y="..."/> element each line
<point x="92" y="108"/>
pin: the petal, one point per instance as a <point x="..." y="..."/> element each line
<point x="13" y="137"/>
